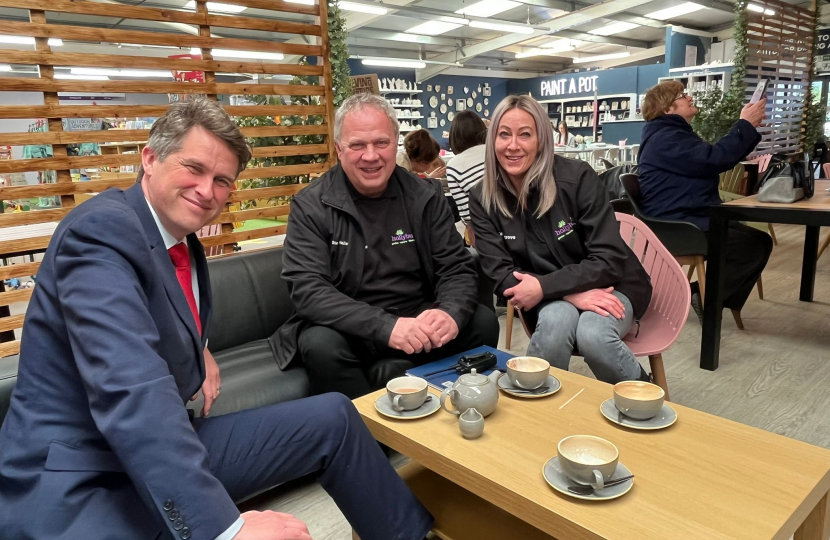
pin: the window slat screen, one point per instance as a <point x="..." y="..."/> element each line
<point x="780" y="49"/>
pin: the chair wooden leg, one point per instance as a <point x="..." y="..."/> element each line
<point x="760" y="286"/>
<point x="658" y="373"/>
<point x="737" y="315"/>
<point x="508" y="331"/>
<point x="691" y="272"/>
<point x="701" y="277"/>
<point x="823" y="246"/>
<point x="772" y="233"/>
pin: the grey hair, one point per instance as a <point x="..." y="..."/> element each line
<point x="169" y="131"/>
<point x="540" y="173"/>
<point x="361" y="101"/>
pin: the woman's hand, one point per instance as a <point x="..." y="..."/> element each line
<point x="754" y="113"/>
<point x="439" y="172"/>
<point x="599" y="301"/>
<point x="526" y="294"/>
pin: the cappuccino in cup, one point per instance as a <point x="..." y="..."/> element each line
<point x="527" y="372"/>
<point x="588" y="460"/>
<point x="638" y="399"/>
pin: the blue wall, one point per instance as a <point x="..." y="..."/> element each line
<point x="497" y="93"/>
<point x="634" y="79"/>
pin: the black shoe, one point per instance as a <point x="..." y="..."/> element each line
<point x="697" y="302"/>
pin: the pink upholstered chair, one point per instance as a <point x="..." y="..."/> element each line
<point x="670" y="301"/>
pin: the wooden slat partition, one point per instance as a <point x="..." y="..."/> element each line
<point x="308" y="105"/>
<point x="780" y="48"/>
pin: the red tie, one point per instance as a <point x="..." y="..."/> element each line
<point x="181" y="260"/>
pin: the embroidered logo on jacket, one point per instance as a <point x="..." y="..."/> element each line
<point x="401" y="237"/>
<point x="564" y="229"/>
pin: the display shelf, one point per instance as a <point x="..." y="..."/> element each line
<point x="410" y="117"/>
<point x="700" y="82"/>
<point x="399" y="106"/>
<point x="407" y="130"/>
<point x="582" y="108"/>
<point x="384" y="92"/>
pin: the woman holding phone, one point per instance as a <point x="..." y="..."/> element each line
<point x="679" y="177"/>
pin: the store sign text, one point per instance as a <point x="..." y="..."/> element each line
<point x="577" y="85"/>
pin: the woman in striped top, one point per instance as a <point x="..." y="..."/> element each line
<point x="467" y="136"/>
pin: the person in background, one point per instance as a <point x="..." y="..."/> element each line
<point x="375" y="268"/>
<point x="98" y="443"/>
<point x="563" y="137"/>
<point x="421" y="155"/>
<point x="679" y="177"/>
<point x="467" y="135"/>
<point x="548" y="238"/>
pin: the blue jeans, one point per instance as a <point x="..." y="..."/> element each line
<point x="562" y="329"/>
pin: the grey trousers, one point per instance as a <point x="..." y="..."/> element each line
<point x="562" y="328"/>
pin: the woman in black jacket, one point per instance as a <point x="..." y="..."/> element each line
<point x="549" y="240"/>
<point x="679" y="180"/>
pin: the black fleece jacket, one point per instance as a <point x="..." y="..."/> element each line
<point x="580" y="232"/>
<point x="323" y="261"/>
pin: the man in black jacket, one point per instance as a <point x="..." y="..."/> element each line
<point x="374" y="265"/>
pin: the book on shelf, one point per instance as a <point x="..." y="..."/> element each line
<point x="441" y="381"/>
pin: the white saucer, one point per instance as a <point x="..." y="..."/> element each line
<point x="556" y="478"/>
<point x="552" y="383"/>
<point x="384" y="407"/>
<point x="664" y="418"/>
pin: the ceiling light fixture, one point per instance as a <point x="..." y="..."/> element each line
<point x="676" y="11"/>
<point x="488" y="8"/>
<point x="613" y="28"/>
<point x="138" y="73"/>
<point x="81" y="77"/>
<point x="499" y="27"/>
<point x="362" y="8"/>
<point x="562" y="44"/>
<point x="5" y="67"/>
<point x="414" y="64"/>
<point x="597" y="58"/>
<point x="758" y="9"/>
<point x="541" y="52"/>
<point x="433" y="28"/>
<point x="27" y="40"/>
<point x="304" y="2"/>
<point x="246" y="55"/>
<point x="218" y="7"/>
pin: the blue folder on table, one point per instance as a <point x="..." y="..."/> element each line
<point x="446" y="379"/>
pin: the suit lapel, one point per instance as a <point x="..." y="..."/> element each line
<point x="202" y="277"/>
<point x="168" y="273"/>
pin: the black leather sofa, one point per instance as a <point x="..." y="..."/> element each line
<point x="250" y="302"/>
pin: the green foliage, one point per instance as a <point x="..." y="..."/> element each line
<point x="342" y="86"/>
<point x="814" y="113"/>
<point x="718" y="111"/>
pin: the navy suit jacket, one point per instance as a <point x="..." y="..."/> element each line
<point x="97" y="442"/>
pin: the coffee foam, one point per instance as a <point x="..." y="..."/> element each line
<point x="643" y="392"/>
<point x="586" y="458"/>
<point x="526" y="363"/>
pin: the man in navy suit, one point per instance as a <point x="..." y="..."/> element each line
<point x="98" y="444"/>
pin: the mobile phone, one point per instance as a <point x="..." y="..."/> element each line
<point x="760" y="91"/>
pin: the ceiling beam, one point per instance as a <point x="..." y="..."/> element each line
<point x="610" y="40"/>
<point x="634" y="57"/>
<point x="371" y="33"/>
<point x="564" y="22"/>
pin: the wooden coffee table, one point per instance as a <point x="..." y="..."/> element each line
<point x="704" y="478"/>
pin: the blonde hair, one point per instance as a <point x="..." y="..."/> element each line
<point x="659" y="99"/>
<point x="496" y="182"/>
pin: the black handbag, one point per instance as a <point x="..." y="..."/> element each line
<point x="786" y="180"/>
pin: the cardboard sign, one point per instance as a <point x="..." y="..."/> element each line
<point x="366" y="84"/>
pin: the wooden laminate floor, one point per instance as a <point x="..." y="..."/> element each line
<point x="774" y="375"/>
